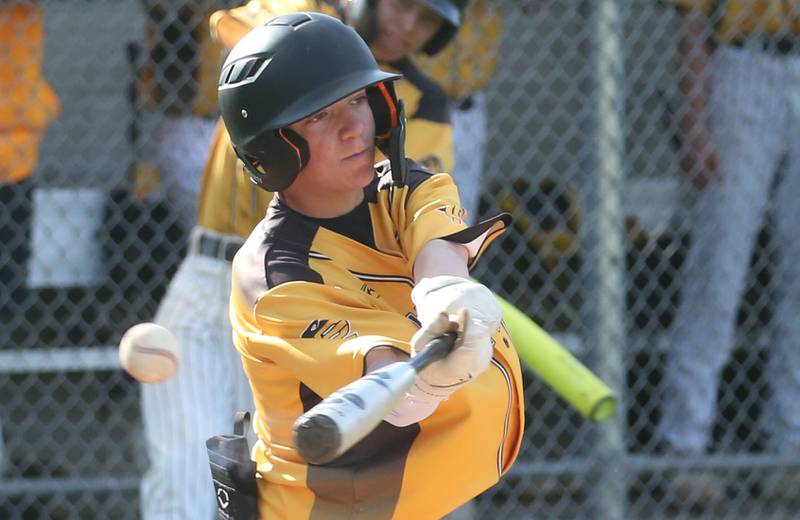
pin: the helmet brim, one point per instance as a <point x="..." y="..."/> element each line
<point x="328" y="94"/>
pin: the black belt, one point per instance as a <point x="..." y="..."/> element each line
<point x="221" y="249"/>
<point x="779" y="45"/>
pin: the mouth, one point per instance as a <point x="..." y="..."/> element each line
<point x="358" y="155"/>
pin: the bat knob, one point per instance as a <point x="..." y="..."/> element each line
<point x="316" y="438"/>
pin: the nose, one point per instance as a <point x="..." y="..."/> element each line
<point x="352" y="125"/>
<point x="408" y="19"/>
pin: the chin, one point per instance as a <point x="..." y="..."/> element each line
<point x="365" y="174"/>
<point x="388" y="53"/>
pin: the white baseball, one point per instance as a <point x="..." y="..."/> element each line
<point x="149" y="352"/>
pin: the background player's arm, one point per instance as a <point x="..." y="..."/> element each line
<point x="227" y="30"/>
<point x="698" y="158"/>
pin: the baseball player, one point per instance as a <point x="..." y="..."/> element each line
<point x="738" y="127"/>
<point x="180" y="414"/>
<point x="335" y="280"/>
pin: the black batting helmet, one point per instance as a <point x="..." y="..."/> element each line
<point x="288" y="69"/>
<point x="361" y="15"/>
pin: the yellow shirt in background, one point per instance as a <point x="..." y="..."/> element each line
<point x="27" y="102"/>
<point x="469" y="61"/>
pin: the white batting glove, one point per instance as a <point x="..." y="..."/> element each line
<point x="448" y="294"/>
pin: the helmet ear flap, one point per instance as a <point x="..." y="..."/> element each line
<point x="287" y="154"/>
<point x="390" y="122"/>
<point x="383" y="102"/>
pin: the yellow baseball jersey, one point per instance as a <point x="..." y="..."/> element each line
<point x="27" y="103"/>
<point x="231" y="204"/>
<point x="310" y="298"/>
<point x="738" y="18"/>
<point x="469" y="61"/>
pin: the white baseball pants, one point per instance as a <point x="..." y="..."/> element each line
<point x="200" y="400"/>
<point x="755" y="122"/>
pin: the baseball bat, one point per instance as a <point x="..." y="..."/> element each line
<point x="347" y="415"/>
<point x="557" y="367"/>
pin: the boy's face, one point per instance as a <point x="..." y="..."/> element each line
<point x="341" y="143"/>
<point x="404" y="27"/>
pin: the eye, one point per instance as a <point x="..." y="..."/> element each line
<point x="358" y="99"/>
<point x="319" y="116"/>
<point x="406" y="5"/>
<point x="429" y="18"/>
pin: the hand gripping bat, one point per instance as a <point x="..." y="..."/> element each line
<point x="349" y="414"/>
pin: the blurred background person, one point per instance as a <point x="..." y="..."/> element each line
<point x="463" y="69"/>
<point x="740" y="122"/>
<point x="27" y="105"/>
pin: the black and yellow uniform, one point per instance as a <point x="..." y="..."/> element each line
<point x="310" y="297"/>
<point x="231" y="204"/>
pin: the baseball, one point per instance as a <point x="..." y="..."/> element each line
<point x="149" y="352"/>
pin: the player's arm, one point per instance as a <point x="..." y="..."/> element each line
<point x="321" y="334"/>
<point x="436" y="258"/>
<point x="698" y="159"/>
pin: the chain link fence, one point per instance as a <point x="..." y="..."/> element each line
<point x="604" y="117"/>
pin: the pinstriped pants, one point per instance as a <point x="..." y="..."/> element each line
<point x="755" y="122"/>
<point x="199" y="401"/>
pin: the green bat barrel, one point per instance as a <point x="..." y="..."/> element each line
<point x="557" y="367"/>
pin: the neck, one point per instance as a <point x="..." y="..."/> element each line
<point x="322" y="205"/>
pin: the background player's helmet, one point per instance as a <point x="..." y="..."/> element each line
<point x="361" y="15"/>
<point x="288" y="69"/>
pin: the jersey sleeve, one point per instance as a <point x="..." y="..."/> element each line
<point x="429" y="132"/>
<point x="319" y="333"/>
<point x="430" y="143"/>
<point x="433" y="210"/>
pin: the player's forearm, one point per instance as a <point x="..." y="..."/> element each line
<point x="441" y="257"/>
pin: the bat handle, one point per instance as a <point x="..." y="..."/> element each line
<point x="438" y="348"/>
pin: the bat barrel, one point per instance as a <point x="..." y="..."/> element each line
<point x="349" y="414"/>
<point x="317" y="438"/>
